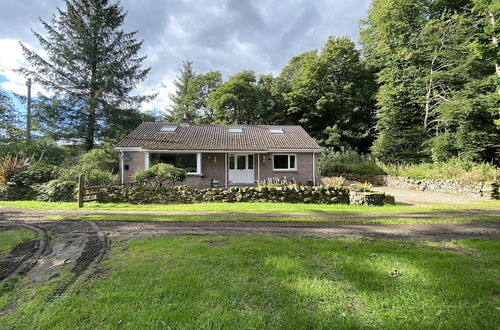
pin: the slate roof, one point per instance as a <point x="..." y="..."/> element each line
<point x="217" y="137"/>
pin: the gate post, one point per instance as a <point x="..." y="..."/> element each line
<point x="80" y="190"/>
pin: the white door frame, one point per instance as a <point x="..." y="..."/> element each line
<point x="246" y="175"/>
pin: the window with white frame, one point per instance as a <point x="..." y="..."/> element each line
<point x="285" y="162"/>
<point x="188" y="162"/>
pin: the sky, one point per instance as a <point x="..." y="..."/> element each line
<point x="224" y="35"/>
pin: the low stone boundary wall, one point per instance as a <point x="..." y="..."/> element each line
<point x="143" y="194"/>
<point x="370" y="198"/>
<point x="486" y="190"/>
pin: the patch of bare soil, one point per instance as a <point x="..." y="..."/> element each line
<point x="15" y="258"/>
<point x="120" y="230"/>
<point x="73" y="246"/>
<point x="25" y="255"/>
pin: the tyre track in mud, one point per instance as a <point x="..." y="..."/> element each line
<point x="25" y="255"/>
<point x="93" y="253"/>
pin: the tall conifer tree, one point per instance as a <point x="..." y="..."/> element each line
<point x="183" y="103"/>
<point x="93" y="62"/>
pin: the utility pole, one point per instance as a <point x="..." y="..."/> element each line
<point x="28" y="113"/>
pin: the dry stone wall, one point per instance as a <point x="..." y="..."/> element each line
<point x="486" y="190"/>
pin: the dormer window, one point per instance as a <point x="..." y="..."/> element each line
<point x="276" y="131"/>
<point x="235" y="130"/>
<point x="168" y="129"/>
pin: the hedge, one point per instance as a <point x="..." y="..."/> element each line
<point x="143" y="194"/>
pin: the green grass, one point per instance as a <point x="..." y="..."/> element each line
<point x="253" y="207"/>
<point x="269" y="283"/>
<point x="126" y="217"/>
<point x="10" y="238"/>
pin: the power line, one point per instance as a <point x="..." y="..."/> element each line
<point x="3" y="66"/>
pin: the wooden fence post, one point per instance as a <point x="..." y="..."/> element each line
<point x="80" y="190"/>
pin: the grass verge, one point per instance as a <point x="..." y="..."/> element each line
<point x="268" y="283"/>
<point x="194" y="218"/>
<point x="10" y="238"/>
<point x="253" y="207"/>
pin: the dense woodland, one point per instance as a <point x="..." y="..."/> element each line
<point x="422" y="85"/>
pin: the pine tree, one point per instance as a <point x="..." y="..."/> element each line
<point x="182" y="99"/>
<point x="10" y="133"/>
<point x="92" y="62"/>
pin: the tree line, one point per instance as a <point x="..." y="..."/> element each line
<point x="422" y="84"/>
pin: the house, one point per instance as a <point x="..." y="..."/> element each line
<point x="222" y="155"/>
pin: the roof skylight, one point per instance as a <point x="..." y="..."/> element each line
<point x="276" y="131"/>
<point x="168" y="129"/>
<point x="235" y="130"/>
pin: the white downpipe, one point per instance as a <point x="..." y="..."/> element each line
<point x="122" y="172"/>
<point x="198" y="163"/>
<point x="314" y="168"/>
<point x="258" y="168"/>
<point x="225" y="170"/>
<point x="146" y="160"/>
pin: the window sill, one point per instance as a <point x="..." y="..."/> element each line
<point x="287" y="170"/>
<point x="193" y="174"/>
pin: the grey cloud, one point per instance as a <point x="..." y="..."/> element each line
<point x="224" y="35"/>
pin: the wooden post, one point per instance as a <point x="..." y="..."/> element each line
<point x="80" y="190"/>
<point x="28" y="113"/>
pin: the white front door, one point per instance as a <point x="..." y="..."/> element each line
<point x="241" y="169"/>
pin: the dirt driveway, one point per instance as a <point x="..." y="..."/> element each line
<point x="77" y="246"/>
<point x="82" y="244"/>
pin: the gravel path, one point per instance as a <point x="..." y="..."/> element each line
<point x="417" y="197"/>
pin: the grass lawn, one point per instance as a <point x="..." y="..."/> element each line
<point x="126" y="217"/>
<point x="9" y="238"/>
<point x="258" y="282"/>
<point x="255" y="207"/>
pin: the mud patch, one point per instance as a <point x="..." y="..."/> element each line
<point x="95" y="248"/>
<point x="20" y="254"/>
<point x="92" y="250"/>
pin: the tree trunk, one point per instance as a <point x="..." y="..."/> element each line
<point x="89" y="138"/>
<point x="428" y="96"/>
<point x="494" y="39"/>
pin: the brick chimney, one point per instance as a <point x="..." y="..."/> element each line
<point x="186" y="121"/>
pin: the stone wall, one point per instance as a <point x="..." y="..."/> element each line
<point x="485" y="190"/>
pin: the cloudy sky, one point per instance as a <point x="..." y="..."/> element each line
<point x="225" y="35"/>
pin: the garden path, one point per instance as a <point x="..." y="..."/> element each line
<point x="419" y="198"/>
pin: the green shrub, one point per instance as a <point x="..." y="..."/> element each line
<point x="358" y="167"/>
<point x="105" y="159"/>
<point x="98" y="167"/>
<point x="454" y="169"/>
<point x="24" y="184"/>
<point x="362" y="186"/>
<point x="338" y="163"/>
<point x="56" y="191"/>
<point x="158" y="174"/>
